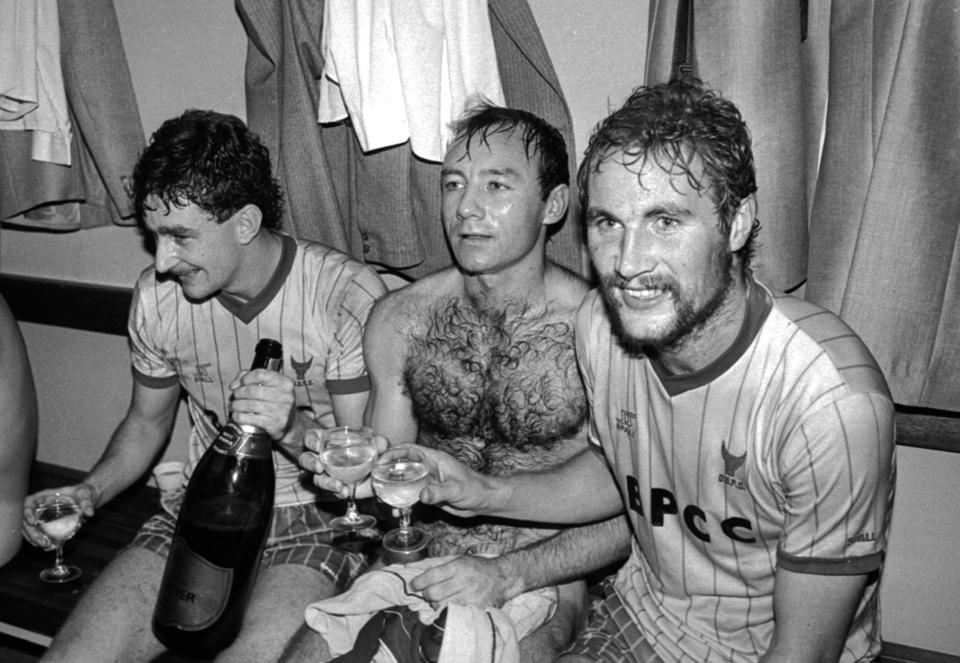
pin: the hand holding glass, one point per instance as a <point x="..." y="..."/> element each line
<point x="347" y="454"/>
<point x="399" y="474"/>
<point x="58" y="517"/>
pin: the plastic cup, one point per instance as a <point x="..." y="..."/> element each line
<point x="168" y="475"/>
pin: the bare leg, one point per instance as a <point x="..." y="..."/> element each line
<point x="306" y="646"/>
<point x="111" y="622"/>
<point x="276" y="611"/>
<point x="546" y="643"/>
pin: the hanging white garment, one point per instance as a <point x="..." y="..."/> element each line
<point x="405" y="70"/>
<point x="32" y="94"/>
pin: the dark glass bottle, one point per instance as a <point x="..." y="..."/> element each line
<point x="221" y="530"/>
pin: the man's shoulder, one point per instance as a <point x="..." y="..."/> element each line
<point x="829" y="334"/>
<point x="590" y="310"/>
<point x="820" y="324"/>
<point x="404" y="306"/>
<point x="323" y="256"/>
<point x="332" y="265"/>
<point x="565" y="288"/>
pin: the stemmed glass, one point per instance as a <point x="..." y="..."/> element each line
<point x="399" y="474"/>
<point x="347" y="454"/>
<point x="58" y="517"/>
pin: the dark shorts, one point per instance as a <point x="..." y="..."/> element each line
<point x="611" y="634"/>
<point x="299" y="534"/>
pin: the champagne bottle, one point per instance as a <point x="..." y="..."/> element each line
<point x="220" y="533"/>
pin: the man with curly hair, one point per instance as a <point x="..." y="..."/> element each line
<point x="223" y="277"/>
<point x="747" y="434"/>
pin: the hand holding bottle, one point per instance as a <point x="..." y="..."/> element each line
<point x="224" y="518"/>
<point x="265" y="399"/>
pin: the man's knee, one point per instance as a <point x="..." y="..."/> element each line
<point x="552" y="637"/>
<point x="275" y="615"/>
<point x="573" y="604"/>
<point x="306" y="646"/>
<point x="112" y="618"/>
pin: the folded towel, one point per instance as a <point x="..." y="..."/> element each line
<point x="382" y="603"/>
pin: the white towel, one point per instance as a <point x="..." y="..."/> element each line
<point x="471" y="634"/>
<point x="405" y="70"/>
<point x="32" y="94"/>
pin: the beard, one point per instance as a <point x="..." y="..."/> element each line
<point x="690" y="318"/>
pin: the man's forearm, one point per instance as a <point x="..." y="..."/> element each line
<point x="579" y="491"/>
<point x="571" y="554"/>
<point x="128" y="455"/>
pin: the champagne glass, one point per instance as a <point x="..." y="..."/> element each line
<point x="399" y="474"/>
<point x="58" y="517"/>
<point x="347" y="454"/>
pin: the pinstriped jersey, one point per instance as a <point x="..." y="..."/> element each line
<point x="779" y="454"/>
<point x="316" y="304"/>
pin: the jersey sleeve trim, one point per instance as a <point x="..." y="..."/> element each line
<point x="848" y="566"/>
<point x="155" y="382"/>
<point x="351" y="386"/>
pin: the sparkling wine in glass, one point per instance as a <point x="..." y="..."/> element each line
<point x="399" y="474"/>
<point x="347" y="454"/>
<point x="58" y="517"/>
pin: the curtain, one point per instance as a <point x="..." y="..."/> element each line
<point x="885" y="247"/>
<point x="859" y="125"/>
<point x="107" y="135"/>
<point x="383" y="206"/>
<point x="751" y="52"/>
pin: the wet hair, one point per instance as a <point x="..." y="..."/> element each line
<point x="674" y="123"/>
<point x="539" y="137"/>
<point x="211" y="160"/>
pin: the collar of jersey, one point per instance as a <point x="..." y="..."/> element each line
<point x="759" y="305"/>
<point x="246" y="311"/>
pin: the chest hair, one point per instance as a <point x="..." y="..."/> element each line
<point x="496" y="387"/>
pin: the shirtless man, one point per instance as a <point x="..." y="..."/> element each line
<point x="478" y="359"/>
<point x="18" y="409"/>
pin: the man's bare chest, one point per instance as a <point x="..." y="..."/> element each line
<point x="494" y="382"/>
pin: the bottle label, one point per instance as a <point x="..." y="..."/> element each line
<point x="234" y="440"/>
<point x="197" y="593"/>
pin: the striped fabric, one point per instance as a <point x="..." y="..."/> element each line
<point x="298" y="535"/>
<point x="770" y="457"/>
<point x="316" y="305"/>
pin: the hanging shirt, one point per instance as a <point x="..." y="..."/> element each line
<point x="32" y="94"/>
<point x="405" y="70"/>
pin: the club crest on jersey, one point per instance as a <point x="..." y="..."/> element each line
<point x="731" y="464"/>
<point x="202" y="374"/>
<point x="301" y="368"/>
<point x="627" y="423"/>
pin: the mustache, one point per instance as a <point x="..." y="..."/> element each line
<point x="665" y="283"/>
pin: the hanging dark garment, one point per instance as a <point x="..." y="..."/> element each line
<point x="107" y="133"/>
<point x="383" y="206"/>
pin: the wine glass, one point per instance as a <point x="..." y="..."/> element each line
<point x="58" y="517"/>
<point x="347" y="454"/>
<point x="399" y="474"/>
